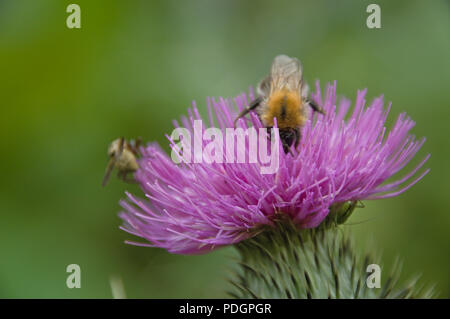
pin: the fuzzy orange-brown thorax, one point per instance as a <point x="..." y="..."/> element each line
<point x="287" y="107"/>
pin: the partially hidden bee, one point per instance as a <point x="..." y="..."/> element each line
<point x="123" y="156"/>
<point x="283" y="95"/>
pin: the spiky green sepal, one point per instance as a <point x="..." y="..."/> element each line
<point x="284" y="262"/>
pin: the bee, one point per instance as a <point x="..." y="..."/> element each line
<point x="283" y="95"/>
<point x="123" y="156"/>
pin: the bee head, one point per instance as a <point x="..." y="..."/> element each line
<point x="288" y="136"/>
<point x="115" y="147"/>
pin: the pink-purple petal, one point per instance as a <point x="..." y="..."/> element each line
<point x="343" y="156"/>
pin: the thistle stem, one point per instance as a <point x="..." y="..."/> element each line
<point x="284" y="262"/>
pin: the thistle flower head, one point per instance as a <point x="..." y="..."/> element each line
<point x="345" y="155"/>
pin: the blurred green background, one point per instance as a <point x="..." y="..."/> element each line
<point x="136" y="65"/>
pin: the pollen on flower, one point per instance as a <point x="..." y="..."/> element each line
<point x="347" y="155"/>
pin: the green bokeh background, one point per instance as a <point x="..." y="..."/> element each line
<point x="136" y="65"/>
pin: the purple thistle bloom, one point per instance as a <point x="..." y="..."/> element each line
<point x="194" y="208"/>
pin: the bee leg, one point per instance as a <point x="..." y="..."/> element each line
<point x="127" y="179"/>
<point x="287" y="149"/>
<point x="120" y="174"/>
<point x="269" y="131"/>
<point x="315" y="107"/>
<point x="254" y="104"/>
<point x="298" y="137"/>
<point x="290" y="152"/>
<point x="108" y="171"/>
<point x="138" y="142"/>
<point x="360" y="204"/>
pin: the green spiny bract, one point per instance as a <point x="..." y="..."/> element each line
<point x="285" y="262"/>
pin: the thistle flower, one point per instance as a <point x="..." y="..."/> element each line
<point x="344" y="156"/>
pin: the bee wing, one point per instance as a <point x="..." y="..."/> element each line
<point x="134" y="145"/>
<point x="109" y="168"/>
<point x="305" y="91"/>
<point x="121" y="146"/>
<point x="286" y="72"/>
<point x="264" y="87"/>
